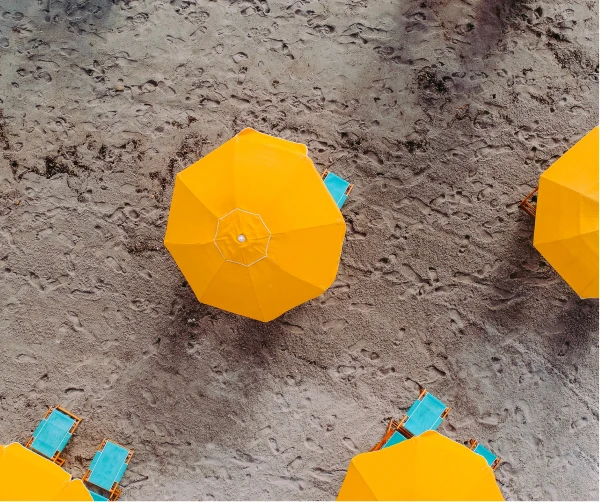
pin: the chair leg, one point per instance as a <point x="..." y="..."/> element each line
<point x="445" y="413"/>
<point x="58" y="460"/>
<point x="405" y="432"/>
<point x="527" y="206"/>
<point x="115" y="492"/>
<point x="391" y="428"/>
<point x="325" y="173"/>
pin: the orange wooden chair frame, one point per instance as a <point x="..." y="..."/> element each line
<point x="56" y="458"/>
<point x="394" y="426"/>
<point x="115" y="491"/>
<point x="527" y="206"/>
<point x="391" y="428"/>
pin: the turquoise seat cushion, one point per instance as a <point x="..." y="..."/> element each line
<point x="38" y="429"/>
<point x="342" y="200"/>
<point x="52" y="434"/>
<point x="490" y="458"/>
<point x="337" y="188"/>
<point x="96" y="496"/>
<point x="395" y="438"/>
<point x="120" y="473"/>
<point x="64" y="442"/>
<point x="424" y="415"/>
<point x="412" y="409"/>
<point x="95" y="460"/>
<point x="109" y="465"/>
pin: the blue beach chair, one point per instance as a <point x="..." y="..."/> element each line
<point x="53" y="433"/>
<point x="106" y="470"/>
<point x="491" y="458"/>
<point x="426" y="414"/>
<point x="338" y="187"/>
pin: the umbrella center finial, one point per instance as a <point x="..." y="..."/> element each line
<point x="242" y="237"/>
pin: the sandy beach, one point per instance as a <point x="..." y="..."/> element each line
<point x="442" y="113"/>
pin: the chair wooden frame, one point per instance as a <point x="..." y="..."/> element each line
<point x="394" y="426"/>
<point x="56" y="458"/>
<point x="115" y="491"/>
<point x="391" y="428"/>
<point x="405" y="432"/>
<point x="527" y="206"/>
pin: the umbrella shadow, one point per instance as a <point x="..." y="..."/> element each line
<point x="215" y="362"/>
<point x="525" y="285"/>
<point x="510" y="288"/>
<point x="246" y="340"/>
<point x="492" y="22"/>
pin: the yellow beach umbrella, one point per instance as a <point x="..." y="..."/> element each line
<point x="253" y="228"/>
<point x="425" y="467"/>
<point x="25" y="475"/>
<point x="566" y="222"/>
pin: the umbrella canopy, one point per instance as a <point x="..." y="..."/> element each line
<point x="566" y="222"/>
<point x="25" y="475"/>
<point x="253" y="228"/>
<point x="425" y="467"/>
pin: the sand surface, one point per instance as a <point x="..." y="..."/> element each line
<point x="443" y="113"/>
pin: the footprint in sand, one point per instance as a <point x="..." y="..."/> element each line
<point x="148" y="396"/>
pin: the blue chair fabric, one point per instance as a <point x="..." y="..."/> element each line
<point x="489" y="456"/>
<point x="394" y="439"/>
<point x="52" y="434"/>
<point x="108" y="465"/>
<point x="337" y="188"/>
<point x="425" y="414"/>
